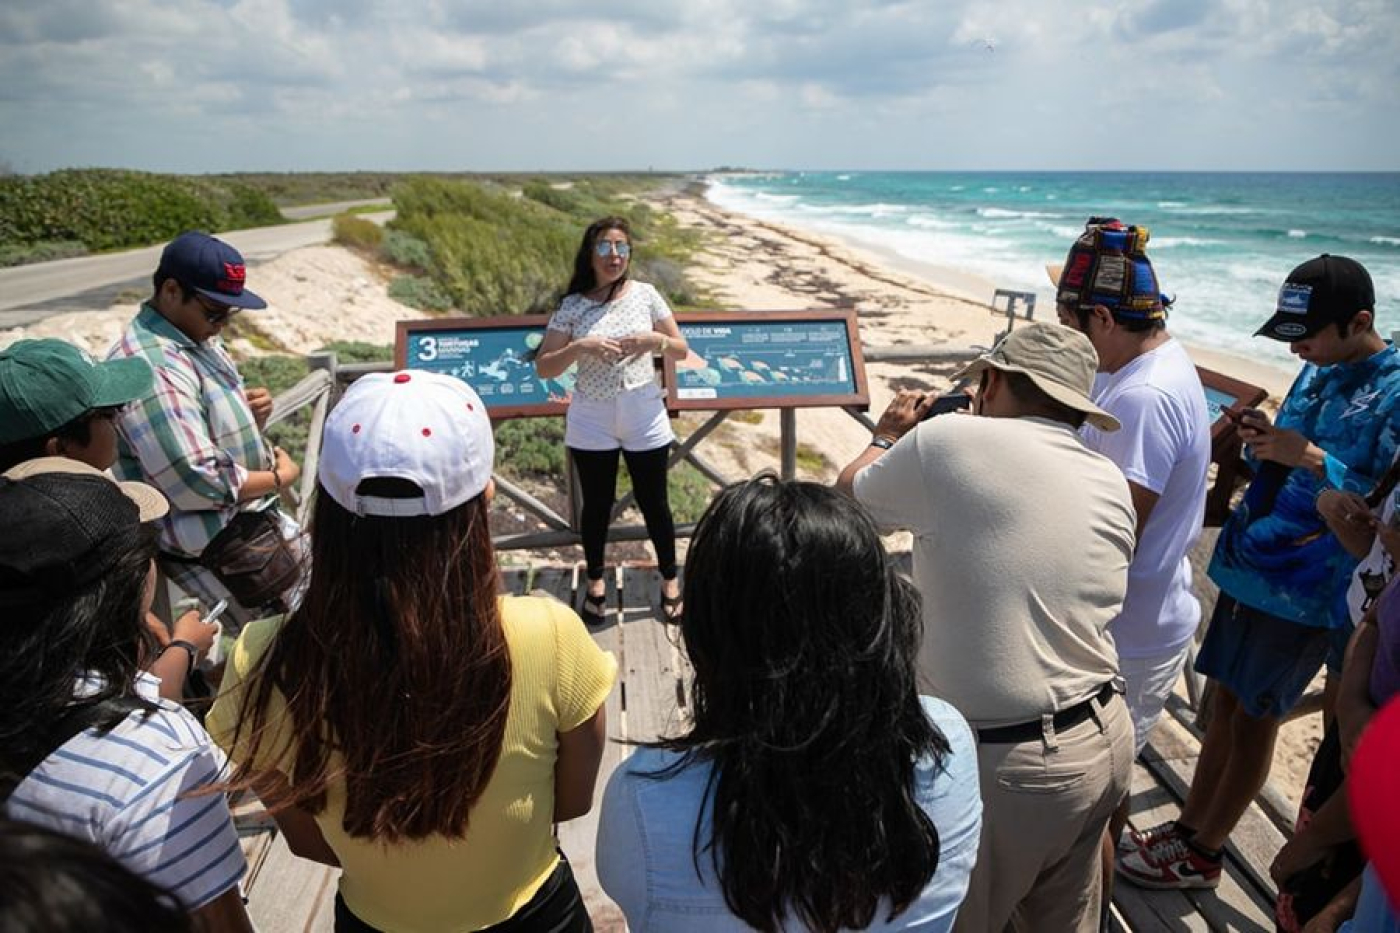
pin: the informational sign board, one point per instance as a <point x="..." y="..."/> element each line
<point x="1225" y="394"/>
<point x="495" y="356"/>
<point x="768" y="359"/>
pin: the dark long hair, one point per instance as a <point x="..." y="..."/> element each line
<point x="803" y="640"/>
<point x="584" y="280"/>
<point x="396" y="661"/>
<point x="46" y="651"/>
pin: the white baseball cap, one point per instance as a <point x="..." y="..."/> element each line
<point x="429" y="429"/>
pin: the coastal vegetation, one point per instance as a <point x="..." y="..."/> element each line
<point x="77" y="211"/>
<point x="487" y="247"/>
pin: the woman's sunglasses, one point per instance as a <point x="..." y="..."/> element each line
<point x="605" y="248"/>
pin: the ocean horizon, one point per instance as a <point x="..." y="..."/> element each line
<point x="1221" y="242"/>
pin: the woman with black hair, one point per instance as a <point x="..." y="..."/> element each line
<point x="87" y="747"/>
<point x="815" y="789"/>
<point x="611" y="325"/>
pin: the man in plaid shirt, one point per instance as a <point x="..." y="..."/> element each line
<point x="197" y="435"/>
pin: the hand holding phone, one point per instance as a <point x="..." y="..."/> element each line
<point x="955" y="401"/>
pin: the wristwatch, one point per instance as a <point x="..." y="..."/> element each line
<point x="882" y="441"/>
<point x="187" y="647"/>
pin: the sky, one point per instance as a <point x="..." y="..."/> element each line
<point x="559" y="85"/>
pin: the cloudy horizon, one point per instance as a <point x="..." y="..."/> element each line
<point x="1049" y="85"/>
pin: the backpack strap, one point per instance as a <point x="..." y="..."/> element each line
<point x="105" y="714"/>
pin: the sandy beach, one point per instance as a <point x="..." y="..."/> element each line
<point x="324" y="293"/>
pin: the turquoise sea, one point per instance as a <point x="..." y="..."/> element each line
<point x="1222" y="243"/>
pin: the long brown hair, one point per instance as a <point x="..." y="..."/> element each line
<point x="396" y="661"/>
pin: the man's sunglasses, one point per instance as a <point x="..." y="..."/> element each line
<point x="605" y="248"/>
<point x="215" y="313"/>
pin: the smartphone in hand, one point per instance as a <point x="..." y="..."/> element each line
<point x="955" y="401"/>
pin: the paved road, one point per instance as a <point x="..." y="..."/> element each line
<point x="34" y="292"/>
<point x="335" y="207"/>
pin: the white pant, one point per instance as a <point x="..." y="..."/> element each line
<point x="634" y="420"/>
<point x="1149" y="682"/>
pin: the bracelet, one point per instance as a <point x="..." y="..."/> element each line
<point x="276" y="480"/>
<point x="665" y="343"/>
<point x="882" y="441"/>
<point x="187" y="647"/>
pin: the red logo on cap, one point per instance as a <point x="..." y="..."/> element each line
<point x="234" y="276"/>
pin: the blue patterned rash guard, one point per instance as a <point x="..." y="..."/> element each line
<point x="1275" y="552"/>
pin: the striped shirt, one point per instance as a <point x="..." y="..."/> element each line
<point x="126" y="792"/>
<point x="193" y="437"/>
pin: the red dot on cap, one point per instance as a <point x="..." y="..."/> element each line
<point x="427" y="432"/>
<point x="471" y="407"/>
<point x="402" y="378"/>
<point x="355" y="429"/>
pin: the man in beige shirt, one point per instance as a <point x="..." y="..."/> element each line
<point x="1022" y="540"/>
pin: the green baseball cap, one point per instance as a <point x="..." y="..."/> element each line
<point x="45" y="384"/>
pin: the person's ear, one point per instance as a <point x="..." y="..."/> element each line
<point x="1103" y="317"/>
<point x="1361" y="322"/>
<point x="490" y="491"/>
<point x="53" y="447"/>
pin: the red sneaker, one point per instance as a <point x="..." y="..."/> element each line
<point x="1133" y="839"/>
<point x="1170" y="863"/>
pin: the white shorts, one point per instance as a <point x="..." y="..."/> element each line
<point x="1149" y="682"/>
<point x="634" y="420"/>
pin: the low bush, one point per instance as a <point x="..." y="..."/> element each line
<point x="420" y="292"/>
<point x="110" y="208"/>
<point x="17" y="254"/>
<point x="406" y="251"/>
<point x="356" y="232"/>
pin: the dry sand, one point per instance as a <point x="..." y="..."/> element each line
<point x="327" y="293"/>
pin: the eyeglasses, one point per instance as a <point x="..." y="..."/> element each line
<point x="605" y="248"/>
<point x="215" y="313"/>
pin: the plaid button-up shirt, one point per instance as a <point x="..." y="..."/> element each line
<point x="193" y="437"/>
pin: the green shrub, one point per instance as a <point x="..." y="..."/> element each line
<point x="531" y="448"/>
<point x="278" y="374"/>
<point x="421" y="292"/>
<point x="356" y="232"/>
<point x="112" y="208"/>
<point x="357" y="351"/>
<point x="17" y="254"/>
<point x="404" y="249"/>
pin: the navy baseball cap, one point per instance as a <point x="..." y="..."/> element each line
<point x="209" y="266"/>
<point x="1322" y="291"/>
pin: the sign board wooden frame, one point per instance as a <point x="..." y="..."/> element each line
<point x="1225" y="393"/>
<point x="493" y="355"/>
<point x="768" y="359"/>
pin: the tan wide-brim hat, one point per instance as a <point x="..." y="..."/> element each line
<point x="1059" y="360"/>
<point x="149" y="502"/>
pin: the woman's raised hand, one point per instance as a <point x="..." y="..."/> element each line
<point x="646" y="341"/>
<point x="605" y="348"/>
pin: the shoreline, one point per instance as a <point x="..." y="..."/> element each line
<point x="977" y="290"/>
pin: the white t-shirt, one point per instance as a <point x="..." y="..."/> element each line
<point x="636" y="311"/>
<point x="1022" y="537"/>
<point x="1376" y="569"/>
<point x="131" y="792"/>
<point x="1163" y="446"/>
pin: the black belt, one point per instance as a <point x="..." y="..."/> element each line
<point x="1064" y="719"/>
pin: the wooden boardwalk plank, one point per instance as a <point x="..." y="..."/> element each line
<point x="292" y="894"/>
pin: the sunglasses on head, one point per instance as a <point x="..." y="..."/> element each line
<point x="215" y="313"/>
<point x="605" y="248"/>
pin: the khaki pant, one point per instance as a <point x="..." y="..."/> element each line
<point x="1045" y="806"/>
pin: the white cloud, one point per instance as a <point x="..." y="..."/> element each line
<point x="471" y="84"/>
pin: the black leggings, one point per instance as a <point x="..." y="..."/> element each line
<point x="557" y="907"/>
<point x="597" y="472"/>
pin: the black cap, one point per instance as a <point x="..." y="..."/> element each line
<point x="209" y="266"/>
<point x="1322" y="291"/>
<point x="58" y="532"/>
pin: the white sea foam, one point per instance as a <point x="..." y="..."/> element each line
<point x="957" y="188"/>
<point x="843" y="177"/>
<point x="1167" y="242"/>
<point x="1296" y="234"/>
<point x="1385" y="240"/>
<point x="992" y="190"/>
<point x="1000" y="213"/>
<point x="775" y="198"/>
<point x="1168" y="205"/>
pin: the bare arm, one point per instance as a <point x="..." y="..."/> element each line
<point x="224" y="914"/>
<point x="1144" y="501"/>
<point x="558" y="351"/>
<point x="299" y="827"/>
<point x="1354" y="706"/>
<point x="901" y="416"/>
<point x="576" y="768"/>
<point x="263" y="482"/>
